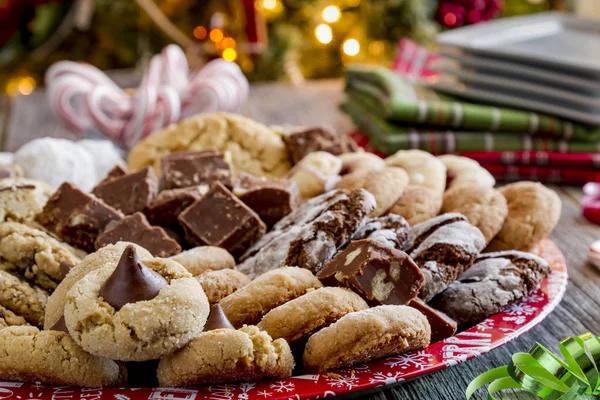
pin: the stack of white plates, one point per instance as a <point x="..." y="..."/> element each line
<point x="547" y="62"/>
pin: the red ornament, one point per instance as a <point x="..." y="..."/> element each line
<point x="455" y="13"/>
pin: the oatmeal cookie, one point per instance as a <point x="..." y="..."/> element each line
<point x="418" y="204"/>
<point x="221" y="283"/>
<point x="52" y="357"/>
<point x="254" y="148"/>
<point x="484" y="207"/>
<point x="22" y="299"/>
<point x="366" y="335"/>
<point x="250" y="303"/>
<point x="533" y="212"/>
<point x="9" y="318"/>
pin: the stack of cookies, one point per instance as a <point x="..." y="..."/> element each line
<point x="231" y="251"/>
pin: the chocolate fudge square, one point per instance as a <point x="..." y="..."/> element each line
<point x="187" y="169"/>
<point x="379" y="273"/>
<point x="129" y="193"/>
<point x="221" y="219"/>
<point x="271" y="199"/>
<point x="115" y="172"/>
<point x="76" y="217"/>
<point x="301" y="140"/>
<point x="167" y="206"/>
<point x="136" y="229"/>
<point x="442" y="326"/>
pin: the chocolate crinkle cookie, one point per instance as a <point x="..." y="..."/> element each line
<point x="311" y="235"/>
<point x="390" y="230"/>
<point x="443" y="247"/>
<point x="495" y="281"/>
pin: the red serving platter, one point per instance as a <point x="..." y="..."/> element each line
<point x="495" y="331"/>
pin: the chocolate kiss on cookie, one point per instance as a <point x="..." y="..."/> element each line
<point x="60" y="325"/>
<point x="131" y="281"/>
<point x="217" y="319"/>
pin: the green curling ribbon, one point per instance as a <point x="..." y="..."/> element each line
<point x="544" y="374"/>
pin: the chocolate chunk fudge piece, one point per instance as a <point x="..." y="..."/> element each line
<point x="115" y="172"/>
<point x="443" y="247"/>
<point x="129" y="193"/>
<point x="196" y="168"/>
<point x="301" y="140"/>
<point x="136" y="229"/>
<point x="311" y="235"/>
<point x="495" y="281"/>
<point x="391" y="230"/>
<point x="442" y="326"/>
<point x="167" y="206"/>
<point x="76" y="217"/>
<point x="221" y="219"/>
<point x="379" y="273"/>
<point x="271" y="199"/>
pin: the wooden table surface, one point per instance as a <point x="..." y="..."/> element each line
<point x="25" y="118"/>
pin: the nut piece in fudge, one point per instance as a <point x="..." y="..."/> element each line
<point x="76" y="217"/>
<point x="442" y="326"/>
<point x="167" y="206"/>
<point x="220" y="219"/>
<point x="271" y="199"/>
<point x="136" y="229"/>
<point x="301" y="141"/>
<point x="377" y="272"/>
<point x="130" y="192"/>
<point x="495" y="281"/>
<point x="187" y="169"/>
<point x="443" y="247"/>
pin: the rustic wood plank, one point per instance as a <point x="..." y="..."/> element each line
<point x="316" y="103"/>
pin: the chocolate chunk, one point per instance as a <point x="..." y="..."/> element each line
<point x="76" y="217"/>
<point x="442" y="326"/>
<point x="129" y="193"/>
<point x="271" y="199"/>
<point x="136" y="229"/>
<point x="131" y="281"/>
<point x="493" y="282"/>
<point x="221" y="219"/>
<point x="217" y="319"/>
<point x="391" y="230"/>
<point x="379" y="273"/>
<point x="443" y="247"/>
<point x="116" y="172"/>
<point x="167" y="206"/>
<point x="196" y="168"/>
<point x="60" y="325"/>
<point x="301" y="141"/>
<point x="64" y="269"/>
<point x="10" y="171"/>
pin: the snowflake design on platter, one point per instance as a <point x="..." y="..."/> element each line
<point x="520" y="309"/>
<point x="282" y="386"/>
<point x="386" y="378"/>
<point x="343" y="381"/>
<point x="517" y="320"/>
<point x="357" y="370"/>
<point x="486" y="325"/>
<point x="534" y="298"/>
<point x="418" y="360"/>
<point x="264" y="394"/>
<point x="121" y="397"/>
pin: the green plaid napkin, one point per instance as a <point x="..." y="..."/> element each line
<point x="389" y="138"/>
<point x="392" y="98"/>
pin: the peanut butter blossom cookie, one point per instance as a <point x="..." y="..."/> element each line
<point x="31" y="355"/>
<point x="136" y="310"/>
<point x="222" y="354"/>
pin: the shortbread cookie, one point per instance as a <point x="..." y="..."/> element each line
<point x="387" y="185"/>
<point x="390" y="230"/>
<point x="418" y="204"/>
<point x="484" y="207"/>
<point x="465" y="171"/>
<point x="136" y="310"/>
<point x="311" y="235"/>
<point x="108" y="255"/>
<point x="205" y="258"/>
<point x="34" y="254"/>
<point x="314" y="173"/>
<point x="52" y="357"/>
<point x="299" y="318"/>
<point x="19" y="297"/>
<point x="9" y="318"/>
<point x="250" y="303"/>
<point x="443" y="247"/>
<point x="352" y="162"/>
<point x="227" y="355"/>
<point x="254" y="148"/>
<point x="21" y="201"/>
<point x="533" y="212"/>
<point x="495" y="281"/>
<point x="423" y="168"/>
<point x="221" y="283"/>
<point x="366" y="335"/>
